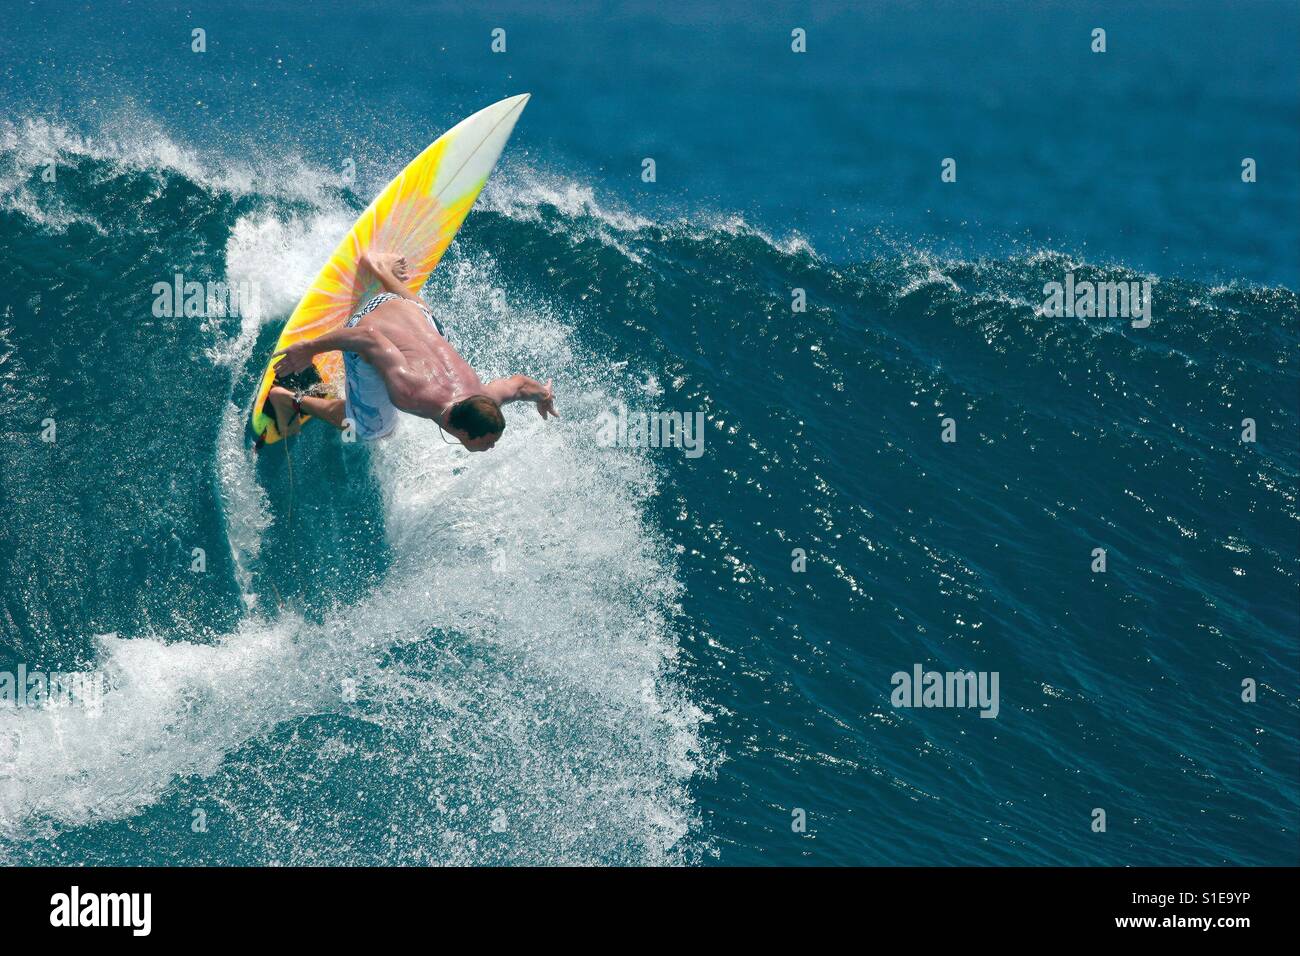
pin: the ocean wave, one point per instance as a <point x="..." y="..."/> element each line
<point x="132" y="142"/>
<point x="523" y="688"/>
<point x="531" y="195"/>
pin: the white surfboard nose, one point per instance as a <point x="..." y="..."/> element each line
<point x="473" y="145"/>
<point x="510" y="109"/>
<point x="492" y="125"/>
<point x="514" y="106"/>
<point x="501" y="108"/>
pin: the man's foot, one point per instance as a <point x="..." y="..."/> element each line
<point x="394" y="263"/>
<point x="286" y="416"/>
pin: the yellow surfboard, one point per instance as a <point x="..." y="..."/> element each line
<point x="417" y="215"/>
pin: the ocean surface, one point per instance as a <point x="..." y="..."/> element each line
<point x="563" y="652"/>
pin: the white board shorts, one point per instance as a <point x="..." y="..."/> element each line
<point x="366" y="401"/>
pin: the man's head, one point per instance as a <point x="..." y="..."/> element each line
<point x="477" y="421"/>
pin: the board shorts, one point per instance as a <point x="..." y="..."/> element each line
<point x="366" y="401"/>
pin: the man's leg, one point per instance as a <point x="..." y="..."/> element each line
<point x="281" y="399"/>
<point x="326" y="409"/>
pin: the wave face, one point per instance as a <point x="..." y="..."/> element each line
<point x="565" y="652"/>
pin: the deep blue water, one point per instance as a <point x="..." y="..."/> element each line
<point x="562" y="652"/>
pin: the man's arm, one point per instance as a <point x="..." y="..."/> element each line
<point x="521" y="388"/>
<point x="364" y="340"/>
<point x="390" y="269"/>
<point x="368" y="342"/>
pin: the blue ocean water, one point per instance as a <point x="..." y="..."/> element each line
<point x="568" y="653"/>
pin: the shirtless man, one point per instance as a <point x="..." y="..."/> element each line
<point x="395" y="357"/>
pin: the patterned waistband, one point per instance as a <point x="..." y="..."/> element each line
<point x="383" y="297"/>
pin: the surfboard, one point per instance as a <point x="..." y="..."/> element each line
<point x="417" y="215"/>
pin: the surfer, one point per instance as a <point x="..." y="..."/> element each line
<point x="396" y="358"/>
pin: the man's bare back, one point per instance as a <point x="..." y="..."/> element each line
<point x="429" y="375"/>
<point x="398" y="341"/>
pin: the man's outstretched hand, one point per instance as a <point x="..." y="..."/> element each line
<point x="546" y="402"/>
<point x="521" y="388"/>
